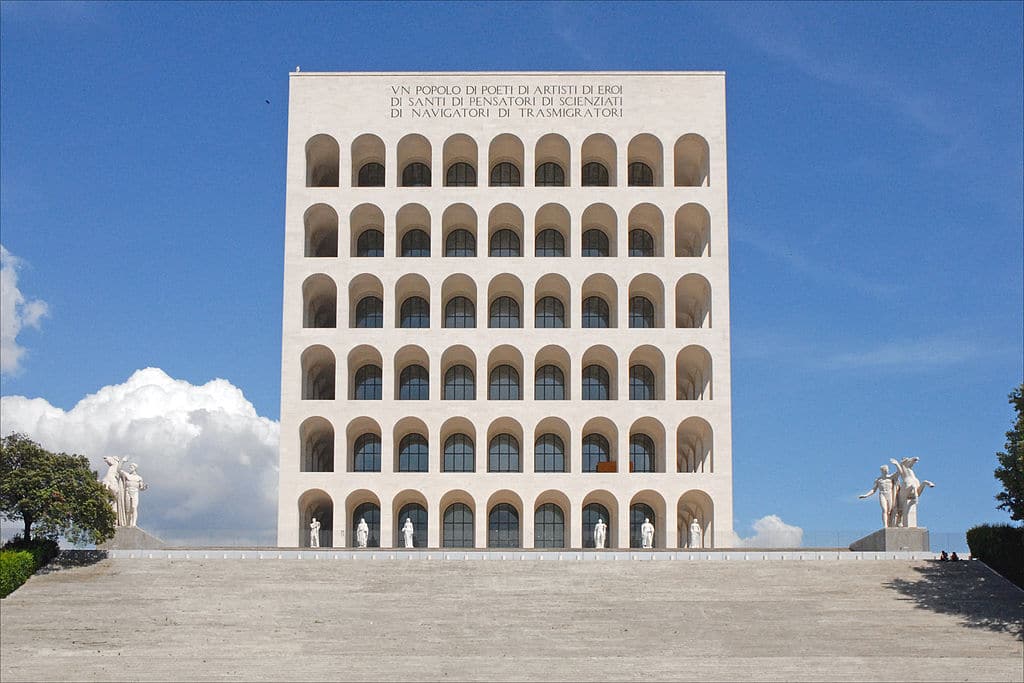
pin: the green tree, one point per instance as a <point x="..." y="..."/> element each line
<point x="52" y="493"/>
<point x="1011" y="463"/>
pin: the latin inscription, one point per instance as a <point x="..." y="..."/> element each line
<point x="506" y="101"/>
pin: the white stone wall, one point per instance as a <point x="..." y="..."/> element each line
<point x="659" y="107"/>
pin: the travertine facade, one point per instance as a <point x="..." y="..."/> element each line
<point x="506" y="309"/>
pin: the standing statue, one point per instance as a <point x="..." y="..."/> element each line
<point x="695" y="534"/>
<point x="600" y="533"/>
<point x="132" y="484"/>
<point x="886" y="487"/>
<point x="407" y="532"/>
<point x="314" y="534"/>
<point x="112" y="482"/>
<point x="909" y="492"/>
<point x="647" y="533"/>
<point x="362" y="533"/>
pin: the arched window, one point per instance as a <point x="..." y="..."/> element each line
<point x="415" y="242"/>
<point x="459" y="312"/>
<point x="596" y="384"/>
<point x="503" y="454"/>
<point x="370" y="312"/>
<point x="458" y="527"/>
<point x="366" y="457"/>
<point x="595" y="450"/>
<point x="459" y="384"/>
<point x="641" y="453"/>
<point x="318" y="455"/>
<point x="370" y="513"/>
<point x="506" y="174"/>
<point x="503" y="527"/>
<point x="370" y="243"/>
<point x="458" y="454"/>
<point x="549" y="454"/>
<point x="640" y="243"/>
<point x="415" y="313"/>
<point x="595" y="312"/>
<point x="417" y="514"/>
<point x="504" y="384"/>
<point x="549" y="174"/>
<point x="505" y="242"/>
<point x="413" y="454"/>
<point x="549" y="384"/>
<point x="637" y="514"/>
<point x="591" y="513"/>
<point x="505" y="313"/>
<point x="549" y="527"/>
<point x="371" y="175"/>
<point x="595" y="243"/>
<point x="640" y="175"/>
<point x="594" y="175"/>
<point x="549" y="313"/>
<point x="550" y="243"/>
<point x="367" y="384"/>
<point x="460" y="243"/>
<point x="416" y="175"/>
<point x="641" y="312"/>
<point x="414" y="384"/>
<point x="460" y="174"/>
<point x="641" y="383"/>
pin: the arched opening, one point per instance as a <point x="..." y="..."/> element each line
<point x="600" y="231"/>
<point x="505" y="296"/>
<point x="646" y="231"/>
<point x="551" y="374"/>
<point x="505" y="160"/>
<point x="319" y="301"/>
<point x="599" y="440"/>
<point x="552" y="308"/>
<point x="504" y="445"/>
<point x="460" y="161"/>
<point x="412" y="293"/>
<point x="366" y="225"/>
<point x="316" y="445"/>
<point x="411" y="439"/>
<point x="696" y="506"/>
<point x="599" y="302"/>
<point x="362" y="439"/>
<point x="321" y="224"/>
<point x="366" y="302"/>
<point x="552" y="440"/>
<point x="364" y="506"/>
<point x="647" y="505"/>
<point x="647" y="446"/>
<point x="692" y="166"/>
<point x="318" y="374"/>
<point x="695" y="446"/>
<point x="365" y="374"/>
<point x="459" y="295"/>
<point x="504" y="374"/>
<point x="693" y="302"/>
<point x="459" y="231"/>
<point x="646" y="302"/>
<point x="646" y="374"/>
<point x="693" y="374"/>
<point x="504" y="512"/>
<point x="316" y="504"/>
<point x="645" y="161"/>
<point x="368" y="160"/>
<point x="693" y="231"/>
<point x="600" y="505"/>
<point x="412" y="374"/>
<point x="600" y="376"/>
<point x="458" y="365"/>
<point x="505" y="231"/>
<point x="551" y="520"/>
<point x="412" y="506"/>
<point x="458" y="439"/>
<point x="551" y="156"/>
<point x="551" y="231"/>
<point x="322" y="154"/>
<point x="457" y="516"/>
<point x="414" y="160"/>
<point x="598" y="156"/>
<point x="412" y="231"/>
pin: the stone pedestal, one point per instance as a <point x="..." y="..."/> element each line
<point x="132" y="538"/>
<point x="898" y="538"/>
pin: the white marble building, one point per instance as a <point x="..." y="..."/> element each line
<point x="506" y="309"/>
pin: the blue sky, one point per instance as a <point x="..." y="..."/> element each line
<point x="876" y="215"/>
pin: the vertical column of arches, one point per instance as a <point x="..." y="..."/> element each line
<point x="693" y="231"/>
<point x="598" y="158"/>
<point x="316" y="445"/>
<point x="693" y="374"/>
<point x="316" y="503"/>
<point x="552" y="161"/>
<point x="321" y="231"/>
<point x="696" y="505"/>
<point x="414" y="161"/>
<point x="322" y="161"/>
<point x="505" y="161"/>
<point x="692" y="161"/>
<point x="319" y="301"/>
<point x="368" y="161"/>
<point x="460" y="161"/>
<point x="695" y="446"/>
<point x="318" y="373"/>
<point x="646" y="164"/>
<point x="693" y="302"/>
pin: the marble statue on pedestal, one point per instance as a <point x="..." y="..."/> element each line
<point x="695" y="534"/>
<point x="124" y="488"/>
<point x="314" y="534"/>
<point x="885" y="485"/>
<point x="407" y="532"/>
<point x="600" y="533"/>
<point x="132" y="484"/>
<point x="362" y="533"/>
<point x="112" y="482"/>
<point x="647" y="533"/>
<point x="909" y="492"/>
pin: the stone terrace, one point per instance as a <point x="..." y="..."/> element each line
<point x="492" y="620"/>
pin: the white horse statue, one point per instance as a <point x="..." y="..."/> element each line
<point x="112" y="481"/>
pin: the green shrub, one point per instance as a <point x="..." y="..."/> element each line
<point x="42" y="549"/>
<point x="15" y="568"/>
<point x="1001" y="547"/>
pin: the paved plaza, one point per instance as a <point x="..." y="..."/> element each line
<point x="141" y="619"/>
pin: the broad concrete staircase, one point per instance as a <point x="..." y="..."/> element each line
<point x="303" y="619"/>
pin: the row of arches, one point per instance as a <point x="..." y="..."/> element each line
<point x="551" y="520"/>
<point x="553" y="160"/>
<point x="506" y="447"/>
<point x="552" y="236"/>
<point x="551" y="305"/>
<point x="554" y="375"/>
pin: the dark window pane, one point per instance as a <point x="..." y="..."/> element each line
<point x="460" y="312"/>
<point x="416" y="175"/>
<point x="594" y="175"/>
<point x="549" y="527"/>
<point x="591" y="513"/>
<point x="370" y="243"/>
<point x="415" y="242"/>
<point x="595" y="243"/>
<point x="504" y="384"/>
<point x="641" y="312"/>
<point x="549" y="174"/>
<point x="459" y="384"/>
<point x="505" y="313"/>
<point x="366" y="455"/>
<point x="549" y="313"/>
<point x="459" y="454"/>
<point x="503" y="454"/>
<point x="595" y="312"/>
<point x="596" y="384"/>
<point x="637" y="514"/>
<point x="505" y="174"/>
<point x="641" y="453"/>
<point x="641" y="243"/>
<point x="414" y="384"/>
<point x="417" y="514"/>
<point x="460" y="243"/>
<point x="370" y="312"/>
<point x="641" y="383"/>
<point x="595" y="450"/>
<point x="413" y="454"/>
<point x="549" y="384"/>
<point x="371" y="175"/>
<point x="640" y="175"/>
<point x="415" y="313"/>
<point x="367" y="384"/>
<point x="550" y="242"/>
<point x="505" y="242"/>
<point x="503" y="527"/>
<point x="458" y="527"/>
<point x="461" y="174"/>
<point x="549" y="454"/>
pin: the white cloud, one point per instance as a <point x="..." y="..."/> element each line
<point x="16" y="313"/>
<point x="209" y="459"/>
<point x="911" y="354"/>
<point x="771" y="532"/>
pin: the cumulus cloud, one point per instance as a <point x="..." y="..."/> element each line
<point x="16" y="313"/>
<point x="771" y="532"/>
<point x="209" y="459"/>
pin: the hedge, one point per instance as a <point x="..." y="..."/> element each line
<point x="1000" y="546"/>
<point x="20" y="560"/>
